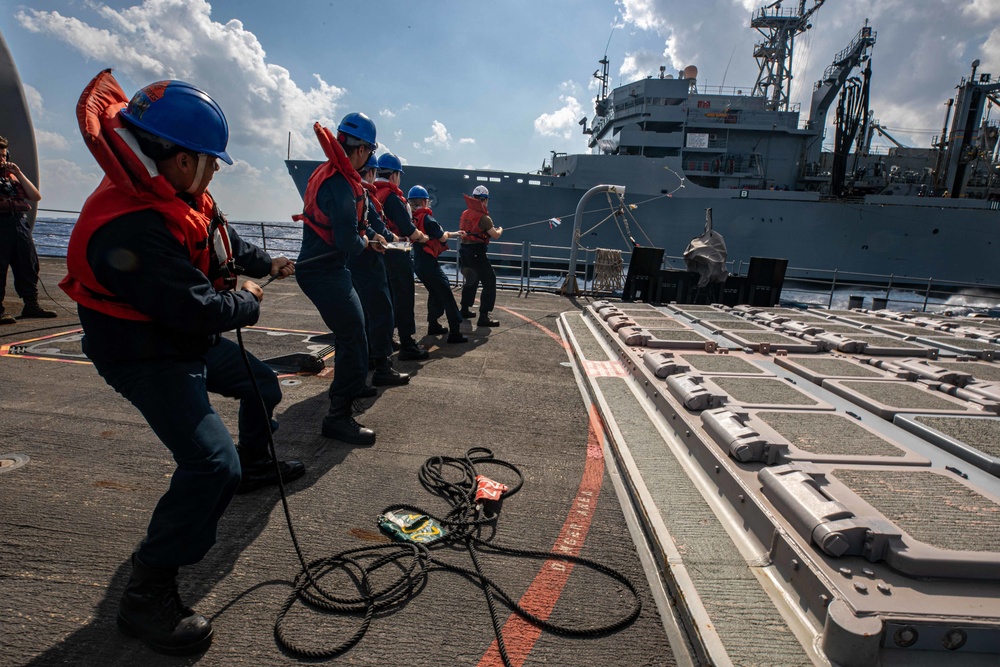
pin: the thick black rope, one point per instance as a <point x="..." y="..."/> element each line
<point x="454" y="480"/>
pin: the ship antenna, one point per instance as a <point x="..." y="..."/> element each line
<point x="726" y="73"/>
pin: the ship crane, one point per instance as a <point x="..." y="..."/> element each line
<point x="834" y="78"/>
<point x="960" y="152"/>
<point x="882" y="132"/>
<point x="873" y="127"/>
<point x="774" y="56"/>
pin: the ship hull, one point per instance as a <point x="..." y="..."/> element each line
<point x="888" y="238"/>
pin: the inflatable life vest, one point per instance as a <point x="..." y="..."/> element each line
<point x="132" y="183"/>
<point x="13" y="199"/>
<point x="433" y="247"/>
<point x="382" y="191"/>
<point x="469" y="222"/>
<point x="336" y="163"/>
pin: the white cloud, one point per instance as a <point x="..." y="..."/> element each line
<point x="386" y="113"/>
<point x="177" y="39"/>
<point x="644" y="14"/>
<point x="64" y="184"/>
<point x="35" y="104"/>
<point x="51" y="140"/>
<point x="466" y="140"/>
<point x="562" y="122"/>
<point x="439" y="136"/>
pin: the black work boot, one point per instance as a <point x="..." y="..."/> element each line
<point x="6" y="318"/>
<point x="258" y="470"/>
<point x="32" y="309"/>
<point x="385" y="375"/>
<point x="409" y="350"/>
<point x="435" y="329"/>
<point x="486" y="321"/>
<point x="367" y="391"/>
<point x="151" y="610"/>
<point x="468" y="314"/>
<point x="340" y="425"/>
<point x="457" y="336"/>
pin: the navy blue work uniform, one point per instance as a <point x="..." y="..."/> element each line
<point x="167" y="366"/>
<point x="327" y="283"/>
<point x="17" y="248"/>
<point x="440" y="300"/>
<point x="399" y="270"/>
<point x="369" y="279"/>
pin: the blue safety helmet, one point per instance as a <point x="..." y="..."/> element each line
<point x="390" y="162"/>
<point x="181" y="114"/>
<point x="358" y="126"/>
<point x="418" y="192"/>
<point x="371" y="164"/>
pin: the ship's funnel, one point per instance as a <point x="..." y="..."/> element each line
<point x="690" y="72"/>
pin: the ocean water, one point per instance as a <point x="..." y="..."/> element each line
<point x="284" y="238"/>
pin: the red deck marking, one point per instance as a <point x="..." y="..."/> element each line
<point x="519" y="635"/>
<point x="604" y="369"/>
<point x="549" y="332"/>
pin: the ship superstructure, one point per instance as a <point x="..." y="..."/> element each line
<point x="680" y="147"/>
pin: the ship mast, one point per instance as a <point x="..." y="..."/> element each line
<point x="774" y="56"/>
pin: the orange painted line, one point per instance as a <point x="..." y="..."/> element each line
<point x="549" y="332"/>
<point x="540" y="599"/>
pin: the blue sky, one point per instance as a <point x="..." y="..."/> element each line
<point x="449" y="83"/>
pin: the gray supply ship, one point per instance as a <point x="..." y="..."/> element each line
<point x="680" y="148"/>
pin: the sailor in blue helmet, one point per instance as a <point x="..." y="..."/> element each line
<point x="440" y="300"/>
<point x="399" y="265"/>
<point x="153" y="267"/>
<point x="368" y="276"/>
<point x="335" y="218"/>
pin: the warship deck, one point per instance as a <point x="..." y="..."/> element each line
<point x="784" y="487"/>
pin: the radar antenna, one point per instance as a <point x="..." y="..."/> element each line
<point x="774" y="56"/>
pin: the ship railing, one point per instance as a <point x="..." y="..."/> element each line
<point x="879" y="291"/>
<point x="532" y="267"/>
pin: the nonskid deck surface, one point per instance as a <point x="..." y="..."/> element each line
<point x="839" y="466"/>
<point x="86" y="471"/>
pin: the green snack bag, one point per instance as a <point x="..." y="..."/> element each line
<point x="408" y="527"/>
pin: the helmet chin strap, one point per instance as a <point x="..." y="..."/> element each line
<point x="199" y="172"/>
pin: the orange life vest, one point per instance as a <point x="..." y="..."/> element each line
<point x="131" y="183"/>
<point x="433" y="247"/>
<point x="336" y="163"/>
<point x="382" y="191"/>
<point x="469" y="222"/>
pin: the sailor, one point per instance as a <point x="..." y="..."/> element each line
<point x="399" y="265"/>
<point x="440" y="300"/>
<point x="153" y="267"/>
<point x="17" y="247"/>
<point x="478" y="227"/>
<point x="335" y="219"/>
<point x="368" y="276"/>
